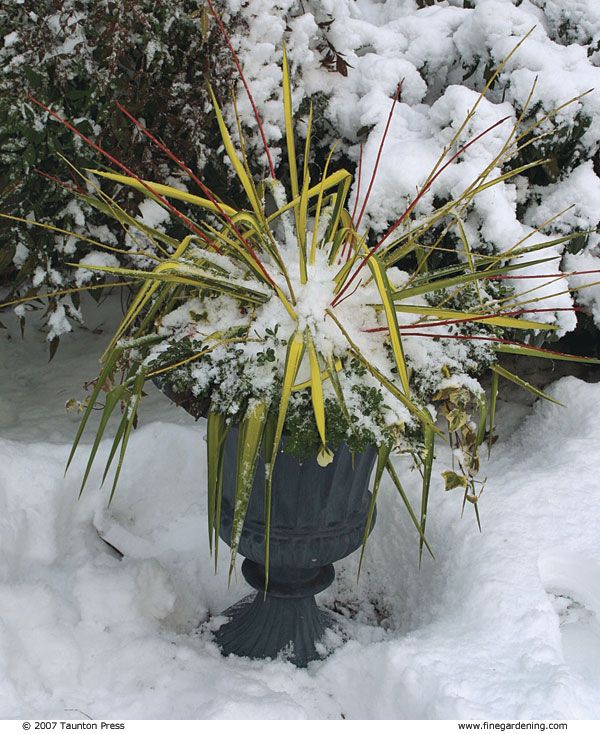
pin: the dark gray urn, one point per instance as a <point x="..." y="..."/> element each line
<point x="318" y="516"/>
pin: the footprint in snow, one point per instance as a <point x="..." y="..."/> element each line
<point x="573" y="584"/>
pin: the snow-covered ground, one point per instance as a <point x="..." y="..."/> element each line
<point x="503" y="624"/>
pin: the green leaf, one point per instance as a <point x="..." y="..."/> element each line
<point x="103" y="379"/>
<point x="443" y="283"/>
<point x="456" y="418"/>
<point x="522" y="383"/>
<point x="250" y="434"/>
<point x="130" y="415"/>
<point x="507" y="322"/>
<point x="383" y="455"/>
<point x="394" y="477"/>
<point x="525" y="351"/>
<point x="316" y="388"/>
<point x="453" y="480"/>
<point x="186" y="274"/>
<point x="483" y="411"/>
<point x="493" y="401"/>
<point x="289" y="126"/>
<point x="427" y="465"/>
<point x="386" y="293"/>
<point x="53" y="347"/>
<point x="216" y="432"/>
<point x="113" y="398"/>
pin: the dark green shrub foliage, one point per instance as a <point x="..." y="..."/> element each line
<point x="79" y="57"/>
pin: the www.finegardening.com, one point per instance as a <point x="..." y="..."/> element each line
<point x="509" y="725"/>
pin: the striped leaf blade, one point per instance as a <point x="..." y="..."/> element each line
<point x="216" y="432"/>
<point x="170" y="192"/>
<point x="250" y="434"/>
<point x="316" y="388"/>
<point x="383" y="455"/>
<point x="508" y="375"/>
<point x="237" y="164"/>
<point x="429" y="442"/>
<point x="386" y="293"/>
<point x="508" y="322"/>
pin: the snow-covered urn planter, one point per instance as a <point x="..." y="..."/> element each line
<point x="313" y="348"/>
<point x="318" y="516"/>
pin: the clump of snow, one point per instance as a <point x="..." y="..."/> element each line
<point x="153" y="214"/>
<point x="96" y="257"/>
<point x="585" y="277"/>
<point x="10" y="39"/>
<point x="21" y="254"/>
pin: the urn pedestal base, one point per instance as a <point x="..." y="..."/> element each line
<point x="284" y="620"/>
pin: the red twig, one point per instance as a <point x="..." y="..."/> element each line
<point x="360" y="160"/>
<point x="129" y="172"/>
<point x="428" y="185"/>
<point x="381" y="144"/>
<point x="474" y="318"/>
<point x="347" y="245"/>
<point x="72" y="189"/>
<point x="552" y="275"/>
<point x="467" y="337"/>
<point x="245" y="83"/>
<point x="205" y="190"/>
<point x="352" y="292"/>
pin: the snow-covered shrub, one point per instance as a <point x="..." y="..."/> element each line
<point x="80" y="56"/>
<point x="349" y="56"/>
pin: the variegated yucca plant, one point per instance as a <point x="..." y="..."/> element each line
<point x="289" y="320"/>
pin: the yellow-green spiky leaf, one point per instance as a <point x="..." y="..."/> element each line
<point x="249" y="439"/>
<point x="502" y="372"/>
<point x="237" y="164"/>
<point x="507" y="322"/>
<point x="170" y="192"/>
<point x="316" y="388"/>
<point x="289" y="125"/>
<point x="387" y="295"/>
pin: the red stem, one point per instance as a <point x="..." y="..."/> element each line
<point x="347" y="246"/>
<point x="352" y="292"/>
<point x="72" y="189"/>
<point x="245" y="83"/>
<point x="123" y="167"/>
<point x="428" y="185"/>
<point x="490" y="339"/>
<point x="474" y="318"/>
<point x="552" y="275"/>
<point x="360" y="160"/>
<point x="201" y="185"/>
<point x="412" y="205"/>
<point x="381" y="144"/>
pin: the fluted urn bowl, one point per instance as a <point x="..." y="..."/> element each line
<point x="318" y="516"/>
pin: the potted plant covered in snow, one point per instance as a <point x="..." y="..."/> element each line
<point x="315" y="352"/>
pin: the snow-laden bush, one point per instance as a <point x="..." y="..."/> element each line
<point x="347" y="57"/>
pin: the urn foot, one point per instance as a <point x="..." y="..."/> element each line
<point x="285" y="620"/>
